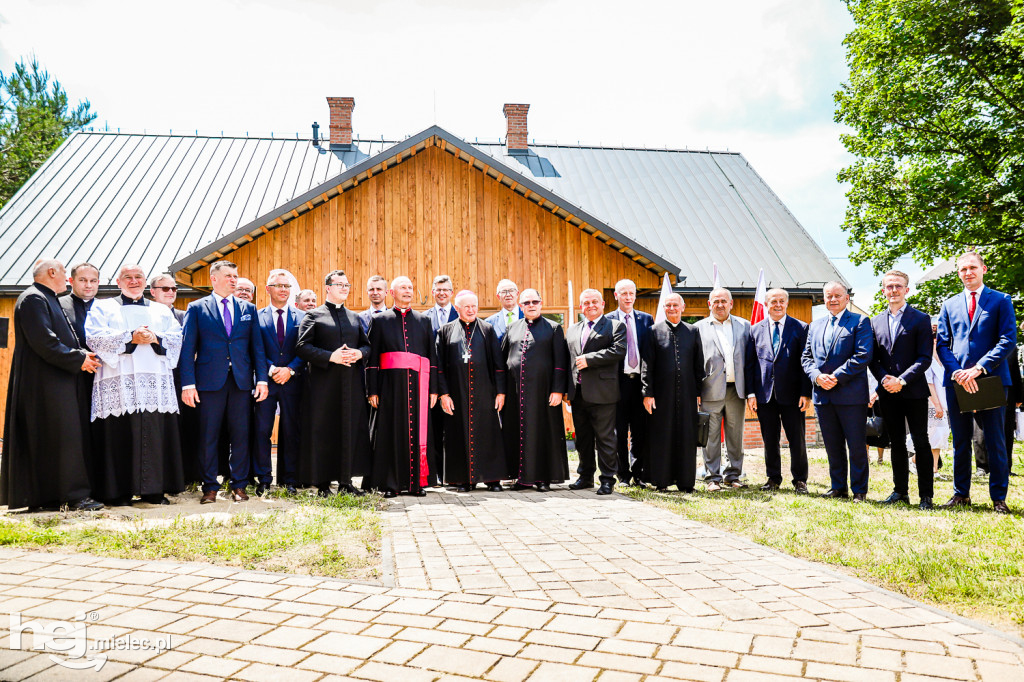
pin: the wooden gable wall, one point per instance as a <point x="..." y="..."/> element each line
<point x="434" y="214"/>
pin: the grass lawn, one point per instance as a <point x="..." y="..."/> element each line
<point x="338" y="536"/>
<point x="968" y="562"/>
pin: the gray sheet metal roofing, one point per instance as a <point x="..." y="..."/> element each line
<point x="112" y="198"/>
<point x="115" y="198"/>
<point x="693" y="208"/>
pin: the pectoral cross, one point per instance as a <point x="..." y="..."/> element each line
<point x="466" y="355"/>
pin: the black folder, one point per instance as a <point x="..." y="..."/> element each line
<point x="991" y="394"/>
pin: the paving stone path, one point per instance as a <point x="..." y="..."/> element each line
<point x="515" y="586"/>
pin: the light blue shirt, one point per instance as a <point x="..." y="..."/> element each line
<point x="894" y="321"/>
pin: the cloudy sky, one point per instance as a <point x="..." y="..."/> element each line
<point x="755" y="76"/>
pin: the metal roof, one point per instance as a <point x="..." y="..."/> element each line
<point x="116" y="198"/>
<point x="185" y="195"/>
<point x="693" y="208"/>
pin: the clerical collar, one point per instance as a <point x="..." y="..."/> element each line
<point x="334" y="306"/>
<point x="127" y="301"/>
<point x="673" y="325"/>
<point x="402" y="311"/>
<point x="467" y="325"/>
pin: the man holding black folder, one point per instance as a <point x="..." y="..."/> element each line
<point x="977" y="331"/>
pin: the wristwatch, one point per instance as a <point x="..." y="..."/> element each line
<point x="292" y="371"/>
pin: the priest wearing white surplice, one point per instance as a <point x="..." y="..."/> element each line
<point x="133" y="395"/>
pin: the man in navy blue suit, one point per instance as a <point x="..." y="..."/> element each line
<point x="508" y="298"/>
<point x="630" y="415"/>
<point x="778" y="389"/>
<point x="221" y="349"/>
<point x="441" y="314"/>
<point x="977" y="331"/>
<point x="279" y="326"/>
<point x="836" y="358"/>
<point x="902" y="354"/>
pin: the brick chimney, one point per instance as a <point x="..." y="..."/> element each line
<point x="515" y="134"/>
<point x="341" y="121"/>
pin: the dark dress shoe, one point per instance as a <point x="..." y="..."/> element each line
<point x="209" y="497"/>
<point x="350" y="489"/>
<point x="926" y="503"/>
<point x="462" y="488"/>
<point x="521" y="486"/>
<point x="290" y="489"/>
<point x="262" y="489"/>
<point x="1000" y="507"/>
<point x="389" y="494"/>
<point x="418" y="492"/>
<point x="769" y="485"/>
<point x="324" y="491"/>
<point x="580" y="484"/>
<point x="836" y="493"/>
<point x="800" y="487"/>
<point x="956" y="501"/>
<point x="155" y="499"/>
<point x="543" y="487"/>
<point x="494" y="487"/>
<point x="605" y="489"/>
<point x="860" y="497"/>
<point x="896" y="498"/>
<point x="238" y="495"/>
<point x="85" y="504"/>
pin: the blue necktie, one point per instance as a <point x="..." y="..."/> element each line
<point x="776" y="339"/>
<point x="830" y="333"/>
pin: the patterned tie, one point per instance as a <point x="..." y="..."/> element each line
<point x="227" y="315"/>
<point x="586" y="334"/>
<point x="830" y="333"/>
<point x="974" y="306"/>
<point x="280" y="329"/>
<point x="632" y="359"/>
<point x="776" y="338"/>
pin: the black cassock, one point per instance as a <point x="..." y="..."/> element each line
<point x="335" y="416"/>
<point x="673" y="368"/>
<point x="473" y="448"/>
<point x="399" y="464"/>
<point x="43" y="461"/>
<point x="76" y="311"/>
<point x="537" y="361"/>
<point x="188" y="424"/>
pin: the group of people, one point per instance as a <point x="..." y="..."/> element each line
<point x="409" y="400"/>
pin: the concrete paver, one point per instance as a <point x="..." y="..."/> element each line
<point x="506" y="587"/>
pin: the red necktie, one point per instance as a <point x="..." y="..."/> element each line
<point x="973" y="306"/>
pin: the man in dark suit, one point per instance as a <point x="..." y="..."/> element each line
<point x="836" y="358"/>
<point x="441" y="314"/>
<point x="630" y="415"/>
<point x="597" y="346"/>
<point x="977" y="331"/>
<point x="376" y="290"/>
<point x="279" y="326"/>
<point x="221" y="350"/>
<point x="902" y="354"/>
<point x="85" y="282"/>
<point x="778" y="390"/>
<point x="509" y="312"/>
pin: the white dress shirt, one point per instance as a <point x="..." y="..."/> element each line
<point x="725" y="339"/>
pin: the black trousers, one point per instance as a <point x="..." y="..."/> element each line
<point x="771" y="416"/>
<point x="437" y="420"/>
<point x="898" y="413"/>
<point x="631" y="422"/>
<point x="595" y="426"/>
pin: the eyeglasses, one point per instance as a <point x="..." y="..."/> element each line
<point x="280" y="286"/>
<point x="340" y="284"/>
<point x="508" y="292"/>
<point x="531" y="303"/>
<point x="165" y="289"/>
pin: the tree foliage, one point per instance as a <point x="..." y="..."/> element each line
<point x="34" y="120"/>
<point x="935" y="104"/>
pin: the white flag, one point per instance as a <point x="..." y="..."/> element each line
<point x="666" y="289"/>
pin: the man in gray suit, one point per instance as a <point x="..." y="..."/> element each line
<point x="597" y="346"/>
<point x="508" y="299"/>
<point x="723" y="392"/>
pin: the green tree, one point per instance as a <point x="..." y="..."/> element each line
<point x="34" y="120"/>
<point x="935" y="107"/>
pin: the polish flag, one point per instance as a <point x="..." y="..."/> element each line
<point x="758" y="313"/>
<point x="716" y="282"/>
<point x="666" y="289"/>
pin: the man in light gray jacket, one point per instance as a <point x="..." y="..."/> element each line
<point x="723" y="392"/>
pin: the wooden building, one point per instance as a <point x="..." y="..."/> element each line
<point x="544" y="216"/>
